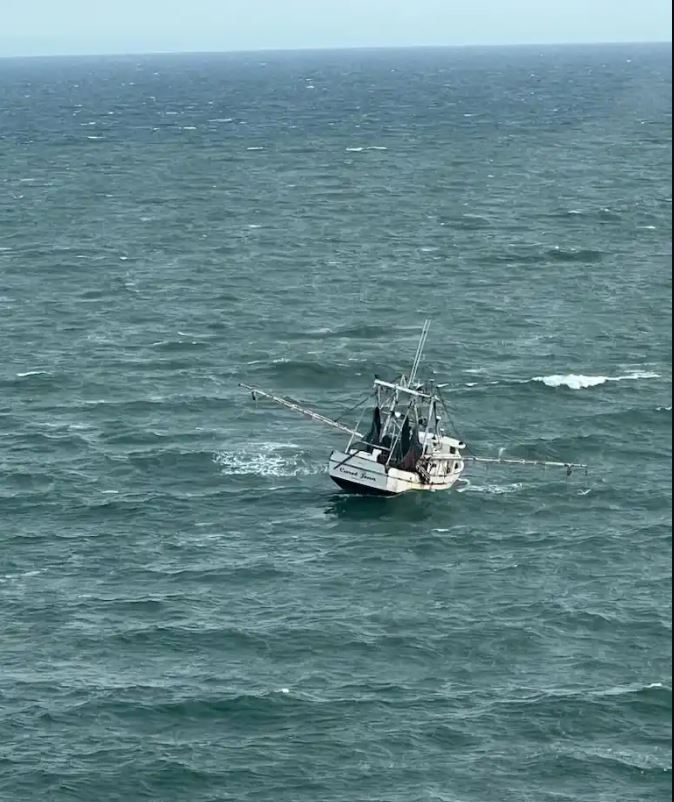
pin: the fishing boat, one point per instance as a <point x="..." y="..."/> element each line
<point x="406" y="447"/>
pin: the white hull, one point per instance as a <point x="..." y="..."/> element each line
<point x="360" y="472"/>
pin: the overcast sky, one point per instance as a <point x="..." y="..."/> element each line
<point x="46" y="27"/>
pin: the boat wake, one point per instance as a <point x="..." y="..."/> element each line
<point x="266" y="459"/>
<point x="492" y="489"/>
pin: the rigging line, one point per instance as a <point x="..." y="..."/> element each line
<point x="503" y="461"/>
<point x="354" y="408"/>
<point x="399" y="436"/>
<point x="343" y="415"/>
<point x="445" y="407"/>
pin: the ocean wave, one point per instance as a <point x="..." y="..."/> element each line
<point x="306" y="373"/>
<point x="576" y="381"/>
<point x="171" y="346"/>
<point x="653" y="690"/>
<point x="19" y="576"/>
<point x="32" y="373"/>
<point x="601" y="214"/>
<point x="574" y="255"/>
<point x="468" y="221"/>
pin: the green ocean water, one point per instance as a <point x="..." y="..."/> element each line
<point x="189" y="610"/>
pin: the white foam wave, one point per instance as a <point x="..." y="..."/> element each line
<point x="494" y="490"/>
<point x="355" y="150"/>
<point x="15" y="577"/>
<point x="265" y="459"/>
<point x="621" y="690"/>
<point x="32" y="373"/>
<point x="576" y="381"/>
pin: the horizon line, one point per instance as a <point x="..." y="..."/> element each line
<point x="334" y="49"/>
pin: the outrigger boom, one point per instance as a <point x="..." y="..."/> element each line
<point x="570" y="466"/>
<point x="302" y="410"/>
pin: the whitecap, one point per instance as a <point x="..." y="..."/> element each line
<point x="29" y="373"/>
<point x="621" y="690"/>
<point x="189" y="128"/>
<point x="255" y="148"/>
<point x="11" y="577"/>
<point x="355" y="150"/>
<point x="94" y="137"/>
<point x="580" y="382"/>
<point x="222" y="120"/>
<point x="377" y="147"/>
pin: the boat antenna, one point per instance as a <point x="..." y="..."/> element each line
<point x="420" y="352"/>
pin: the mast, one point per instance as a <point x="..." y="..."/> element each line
<point x="420" y="352"/>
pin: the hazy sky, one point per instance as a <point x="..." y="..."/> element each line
<point x="36" y="27"/>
